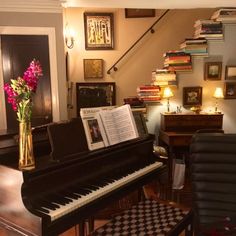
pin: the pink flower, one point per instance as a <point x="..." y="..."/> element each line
<point x="32" y="75"/>
<point x="21" y="90"/>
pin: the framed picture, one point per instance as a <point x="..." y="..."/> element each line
<point x="93" y="68"/>
<point x="212" y="70"/>
<point x="137" y="13"/>
<point x="140" y="123"/>
<point x="230" y="90"/>
<point x="192" y="96"/>
<point x="95" y="95"/>
<point x="230" y="72"/>
<point x="98" y="29"/>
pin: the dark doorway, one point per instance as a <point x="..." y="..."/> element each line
<point x="17" y="53"/>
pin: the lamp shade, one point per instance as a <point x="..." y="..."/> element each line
<point x="167" y="93"/>
<point x="218" y="93"/>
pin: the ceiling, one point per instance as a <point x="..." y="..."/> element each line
<point x="56" y="5"/>
<point x="157" y="4"/>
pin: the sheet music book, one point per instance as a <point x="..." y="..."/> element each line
<point x="105" y="126"/>
<point x="92" y="126"/>
<point x="118" y="125"/>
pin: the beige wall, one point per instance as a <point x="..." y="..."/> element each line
<point x="53" y="20"/>
<point x="136" y="68"/>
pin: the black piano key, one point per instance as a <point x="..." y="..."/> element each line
<point x="38" y="208"/>
<point x="80" y="191"/>
<point x="47" y="204"/>
<point x="69" y="194"/>
<point x="56" y="199"/>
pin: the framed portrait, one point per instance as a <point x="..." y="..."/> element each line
<point x="98" y="29"/>
<point x="212" y="70"/>
<point x="230" y="72"/>
<point x="138" y="13"/>
<point x="93" y="68"/>
<point x="95" y="95"/>
<point x="192" y="96"/>
<point x="230" y="90"/>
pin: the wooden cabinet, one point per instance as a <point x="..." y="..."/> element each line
<point x="190" y="122"/>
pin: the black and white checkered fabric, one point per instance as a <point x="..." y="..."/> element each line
<point x="146" y="218"/>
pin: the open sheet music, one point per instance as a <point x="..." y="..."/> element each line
<point x="118" y="125"/>
<point x="106" y="126"/>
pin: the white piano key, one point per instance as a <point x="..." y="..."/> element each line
<point x="77" y="203"/>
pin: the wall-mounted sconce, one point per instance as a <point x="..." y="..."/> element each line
<point x="168" y="94"/>
<point x="69" y="36"/>
<point x="218" y="94"/>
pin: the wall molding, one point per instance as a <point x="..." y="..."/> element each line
<point x="43" y="6"/>
<point x="50" y="32"/>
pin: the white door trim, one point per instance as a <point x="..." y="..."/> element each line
<point x="50" y="32"/>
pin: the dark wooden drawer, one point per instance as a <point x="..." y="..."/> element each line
<point x="190" y="122"/>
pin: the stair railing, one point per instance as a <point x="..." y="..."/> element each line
<point x="137" y="41"/>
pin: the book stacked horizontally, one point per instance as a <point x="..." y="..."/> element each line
<point x="225" y="15"/>
<point x="177" y="61"/>
<point x="208" y="29"/>
<point x="164" y="77"/>
<point x="196" y="47"/>
<point x="149" y="93"/>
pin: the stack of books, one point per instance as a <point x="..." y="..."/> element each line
<point x="149" y="93"/>
<point x="164" y="77"/>
<point x="177" y="61"/>
<point x="196" y="47"/>
<point x="208" y="29"/>
<point x="225" y="15"/>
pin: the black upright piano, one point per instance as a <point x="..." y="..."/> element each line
<point x="62" y="192"/>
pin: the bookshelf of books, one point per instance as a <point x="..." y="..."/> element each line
<point x="180" y="60"/>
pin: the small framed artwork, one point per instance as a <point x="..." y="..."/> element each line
<point x="192" y="96"/>
<point x="230" y="72"/>
<point x="93" y="68"/>
<point x="138" y="13"/>
<point x="95" y="95"/>
<point x="98" y="29"/>
<point x="230" y="90"/>
<point x="212" y="70"/>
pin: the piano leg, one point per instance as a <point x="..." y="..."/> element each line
<point x="80" y="229"/>
<point x="91" y="224"/>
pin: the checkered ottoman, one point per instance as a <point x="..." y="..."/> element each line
<point x="147" y="218"/>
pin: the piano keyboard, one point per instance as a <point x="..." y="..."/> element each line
<point x="75" y="199"/>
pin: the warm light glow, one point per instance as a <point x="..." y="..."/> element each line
<point x="167" y="93"/>
<point x="218" y="93"/>
<point x="69" y="34"/>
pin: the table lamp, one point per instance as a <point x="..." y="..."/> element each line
<point x="217" y="94"/>
<point x="168" y="94"/>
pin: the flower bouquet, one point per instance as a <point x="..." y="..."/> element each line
<point x="20" y="92"/>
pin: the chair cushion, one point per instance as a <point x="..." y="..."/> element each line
<point x="146" y="218"/>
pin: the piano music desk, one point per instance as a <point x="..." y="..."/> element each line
<point x="176" y="131"/>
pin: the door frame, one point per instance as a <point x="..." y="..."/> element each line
<point x="50" y="32"/>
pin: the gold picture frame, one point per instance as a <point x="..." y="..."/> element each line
<point x="98" y="29"/>
<point x="93" y="68"/>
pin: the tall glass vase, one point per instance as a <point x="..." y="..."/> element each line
<point x="26" y="155"/>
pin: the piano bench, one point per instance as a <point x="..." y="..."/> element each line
<point x="149" y="218"/>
